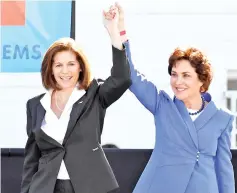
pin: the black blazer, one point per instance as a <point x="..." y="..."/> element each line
<point x="84" y="158"/>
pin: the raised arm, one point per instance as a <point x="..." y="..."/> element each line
<point x="119" y="81"/>
<point x="223" y="164"/>
<point x="32" y="155"/>
<point x="145" y="91"/>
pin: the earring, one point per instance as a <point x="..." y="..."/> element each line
<point x="202" y="89"/>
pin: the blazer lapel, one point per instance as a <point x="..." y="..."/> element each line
<point x="77" y="110"/>
<point x="40" y="114"/>
<point x="206" y="115"/>
<point x="187" y="119"/>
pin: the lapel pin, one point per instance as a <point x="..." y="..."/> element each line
<point x="95" y="149"/>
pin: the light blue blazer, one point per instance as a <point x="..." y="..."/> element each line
<point x="189" y="156"/>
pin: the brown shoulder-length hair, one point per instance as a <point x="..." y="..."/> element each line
<point x="197" y="60"/>
<point x="64" y="44"/>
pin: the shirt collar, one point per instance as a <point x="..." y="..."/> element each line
<point x="75" y="95"/>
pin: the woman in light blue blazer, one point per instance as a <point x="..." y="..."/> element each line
<point x="192" y="150"/>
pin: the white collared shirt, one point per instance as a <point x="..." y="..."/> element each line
<point x="56" y="127"/>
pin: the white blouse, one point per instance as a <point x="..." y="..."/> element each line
<point x="56" y="127"/>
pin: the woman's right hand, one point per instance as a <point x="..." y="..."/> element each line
<point x="121" y="22"/>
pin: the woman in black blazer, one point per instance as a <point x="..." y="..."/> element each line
<point x="64" y="125"/>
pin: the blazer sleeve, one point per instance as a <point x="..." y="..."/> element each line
<point x="144" y="90"/>
<point x="119" y="80"/>
<point x="224" y="167"/>
<point x="32" y="155"/>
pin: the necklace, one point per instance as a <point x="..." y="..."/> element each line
<point x="56" y="102"/>
<point x="202" y="107"/>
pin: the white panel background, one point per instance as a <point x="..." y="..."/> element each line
<point x="154" y="28"/>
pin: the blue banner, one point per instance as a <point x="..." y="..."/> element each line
<point x="23" y="46"/>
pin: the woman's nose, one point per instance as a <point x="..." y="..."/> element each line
<point x="65" y="69"/>
<point x="179" y="80"/>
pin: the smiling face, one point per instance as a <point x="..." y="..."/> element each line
<point x="66" y="69"/>
<point x="184" y="80"/>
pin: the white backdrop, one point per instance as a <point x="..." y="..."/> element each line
<point x="154" y="28"/>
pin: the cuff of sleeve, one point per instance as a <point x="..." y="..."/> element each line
<point x="126" y="43"/>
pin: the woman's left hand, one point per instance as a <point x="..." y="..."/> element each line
<point x="110" y="20"/>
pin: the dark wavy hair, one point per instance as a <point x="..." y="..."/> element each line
<point x="197" y="60"/>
